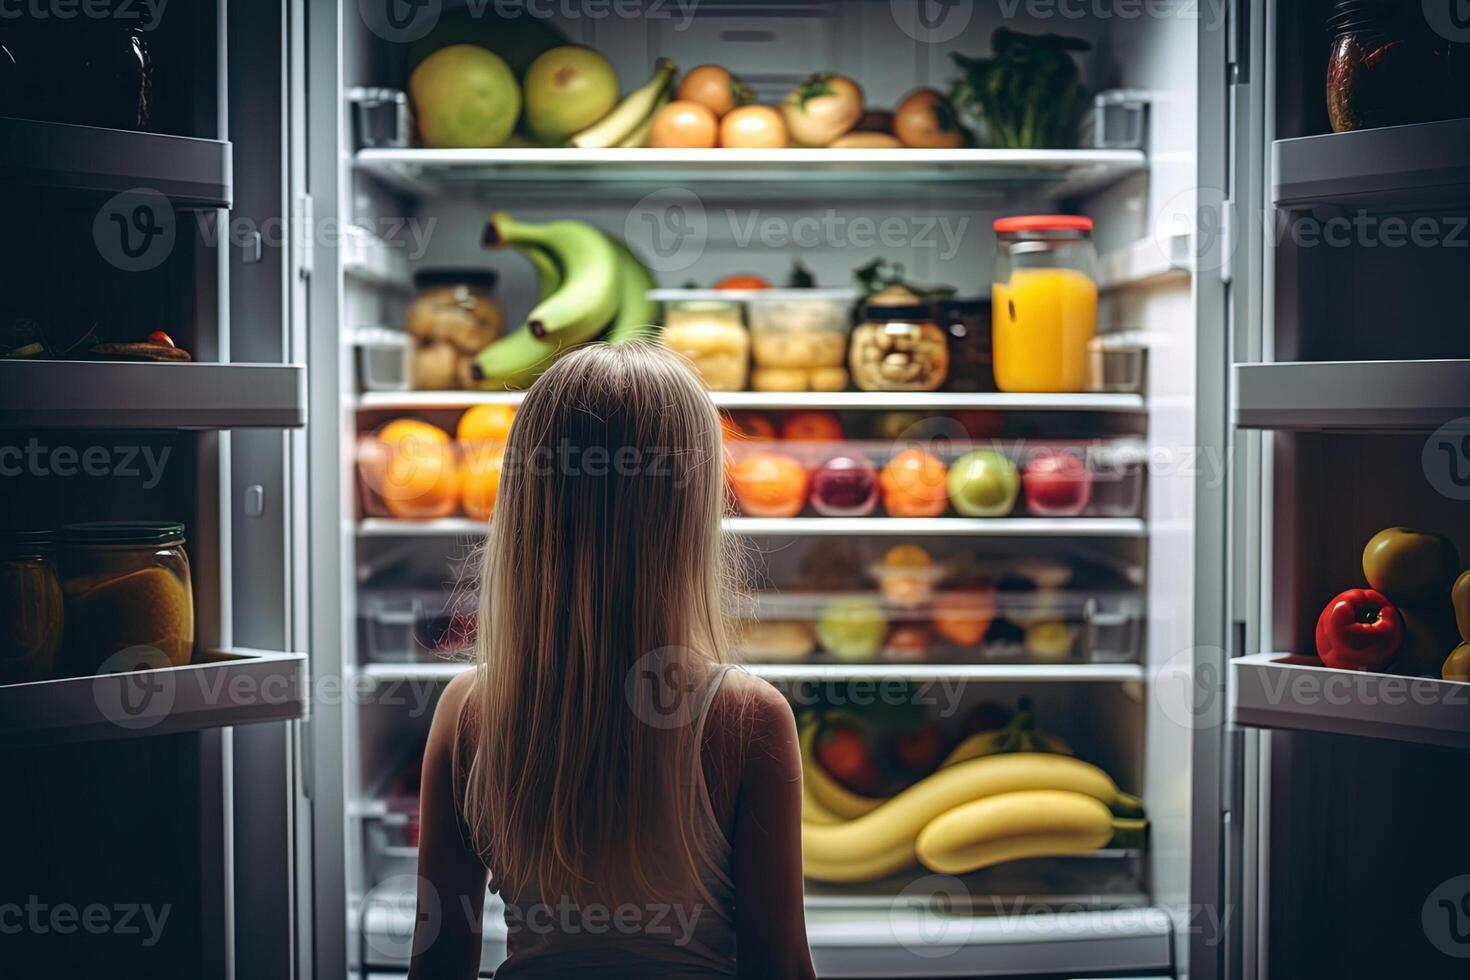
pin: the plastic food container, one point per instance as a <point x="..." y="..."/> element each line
<point x="1117" y="471"/>
<point x="1115" y="363"/>
<point x="711" y="333"/>
<point x="406" y="625"/>
<point x="31" y="611"/>
<point x="1043" y="302"/>
<point x="898" y="347"/>
<point x="413" y="470"/>
<point x="382" y="358"/>
<point x="799" y="338"/>
<point x="127" y="587"/>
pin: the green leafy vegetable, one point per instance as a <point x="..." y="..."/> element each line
<point x="1029" y="93"/>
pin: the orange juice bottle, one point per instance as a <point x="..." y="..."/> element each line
<point x="1043" y="302"/>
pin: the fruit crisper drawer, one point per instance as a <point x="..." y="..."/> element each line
<point x="219" y="689"/>
<point x="405" y="625"/>
<point x="957" y="600"/>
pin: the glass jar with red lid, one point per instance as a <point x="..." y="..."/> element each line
<point x="1043" y="302"/>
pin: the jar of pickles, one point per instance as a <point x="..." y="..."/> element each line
<point x="712" y="334"/>
<point x="30" y="607"/>
<point x="898" y="346"/>
<point x="1043" y="301"/>
<point x="127" y="587"/>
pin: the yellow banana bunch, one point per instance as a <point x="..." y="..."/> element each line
<point x="887" y="838"/>
<point x="1010" y="826"/>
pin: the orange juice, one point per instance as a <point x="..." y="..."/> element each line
<point x="1041" y="322"/>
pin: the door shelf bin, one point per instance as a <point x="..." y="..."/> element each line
<point x="220" y="689"/>
<point x="1282" y="690"/>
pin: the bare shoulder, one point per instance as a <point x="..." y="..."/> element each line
<point x="754" y="719"/>
<point x="447" y="733"/>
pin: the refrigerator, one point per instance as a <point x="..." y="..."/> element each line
<point x="1305" y="382"/>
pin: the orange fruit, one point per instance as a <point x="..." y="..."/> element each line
<point x="686" y="124"/>
<point x="481" y="478"/>
<point x="753" y="127"/>
<point x="421" y="479"/>
<point x="485" y="423"/>
<point x="754" y="427"/>
<point x="743" y="280"/>
<point x="913" y="485"/>
<point x="711" y="86"/>
<point x="769" y="484"/>
<point x="811" y="427"/>
<point x="962" y="617"/>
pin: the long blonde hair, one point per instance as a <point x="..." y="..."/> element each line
<point x="601" y="615"/>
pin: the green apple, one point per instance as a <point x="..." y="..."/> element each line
<point x="852" y="629"/>
<point x="984" y="483"/>
<point x="464" y="96"/>
<point x="568" y="89"/>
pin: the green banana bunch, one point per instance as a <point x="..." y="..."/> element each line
<point x="637" y="314"/>
<point x="588" y="295"/>
<point x="581" y="275"/>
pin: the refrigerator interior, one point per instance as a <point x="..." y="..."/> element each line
<point x="401" y="592"/>
<point x="1345" y="278"/>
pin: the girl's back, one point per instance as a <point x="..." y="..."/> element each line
<point x="635" y="801"/>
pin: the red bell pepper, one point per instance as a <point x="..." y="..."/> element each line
<point x="1359" y="630"/>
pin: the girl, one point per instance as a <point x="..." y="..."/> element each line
<point x="634" y="800"/>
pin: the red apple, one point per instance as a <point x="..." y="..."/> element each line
<point x="1359" y="630"/>
<point x="1057" y="484"/>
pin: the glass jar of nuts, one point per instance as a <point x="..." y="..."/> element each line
<point x="898" y="346"/>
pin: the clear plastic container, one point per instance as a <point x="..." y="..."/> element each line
<point x="1043" y="302"/>
<point x="408" y="625"/>
<point x="383" y="362"/>
<point x="898" y="347"/>
<point x="799" y="338"/>
<point x="1115" y="363"/>
<point x="712" y="334"/>
<point x="127" y="587"/>
<point x="31" y="610"/>
<point x="1118" y="471"/>
<point x="411" y="469"/>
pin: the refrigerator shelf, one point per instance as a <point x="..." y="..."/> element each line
<point x="1055" y="173"/>
<point x="222" y="688"/>
<point x="904" y="941"/>
<point x="191" y="173"/>
<point x="1283" y="690"/>
<point x="47" y="394"/>
<point x="1420" y="164"/>
<point x="935" y="401"/>
<point x="1351" y="395"/>
<point x="445" y="670"/>
<point x="974" y="527"/>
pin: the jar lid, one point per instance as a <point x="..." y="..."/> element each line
<point x="27" y="543"/>
<point x="879" y="311"/>
<point x="1043" y="222"/>
<point x="1350" y="15"/>
<point x="477" y="276"/>
<point x="124" y="532"/>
